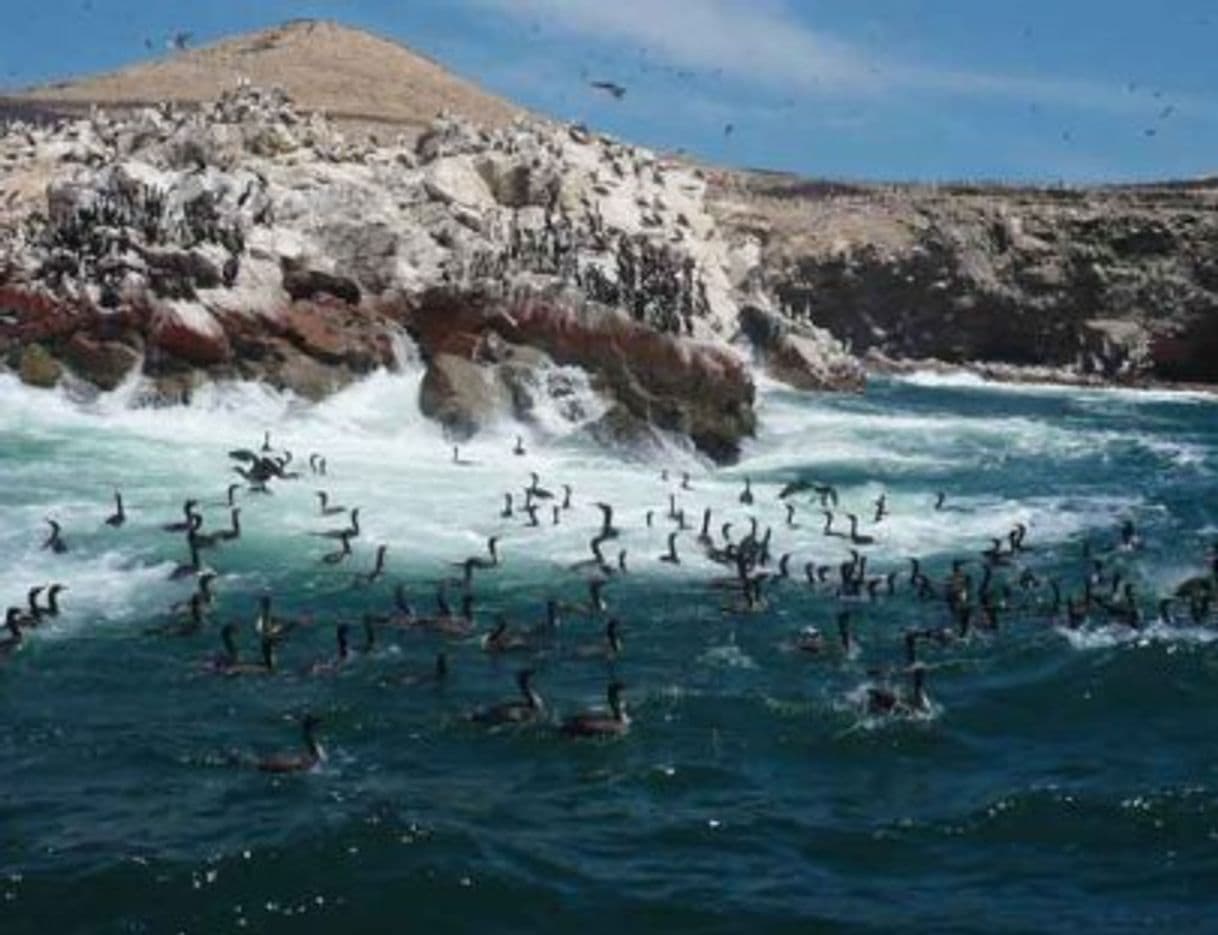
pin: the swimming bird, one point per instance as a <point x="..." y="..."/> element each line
<point x="229" y="661"/>
<point x="566" y="496"/>
<point x="994" y="555"/>
<point x="597" y="561"/>
<point x="536" y="490"/>
<point x="845" y="638"/>
<point x="343" y="552"/>
<point x="193" y="624"/>
<point x="342" y="636"/>
<point x="480" y="563"/>
<point x="186" y="571"/>
<point x="784" y="563"/>
<point x="234" y="529"/>
<point x="202" y="590"/>
<point x="531" y="510"/>
<point x="52" y="606"/>
<point x="885" y="701"/>
<point x="793" y="487"/>
<point x="328" y="509"/>
<point x="459" y="461"/>
<point x="597" y="723"/>
<point x="608" y="531"/>
<point x="313" y="755"/>
<point x="746" y="496"/>
<point x="596" y="597"/>
<point x="502" y="640"/>
<point x="54" y="541"/>
<point x="378" y="567"/>
<point x="671" y="556"/>
<point x="211" y="540"/>
<point x="266" y="666"/>
<point x="531" y="708"/>
<point x="548" y="628"/>
<point x="519" y="449"/>
<point x="607" y="649"/>
<point x="189" y="523"/>
<point x="445" y="623"/>
<point x="506" y="512"/>
<point x="230" y="498"/>
<point x="855" y="536"/>
<point x="791" y="524"/>
<point x="119" y="516"/>
<point x="1130" y="540"/>
<point x="404" y="614"/>
<point x="32" y="618"/>
<point x="15" y="640"/>
<point x="881" y="508"/>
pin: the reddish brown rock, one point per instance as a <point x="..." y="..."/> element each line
<point x="28" y="315"/>
<point x="317" y="331"/>
<point x="701" y="390"/>
<point x="190" y="333"/>
<point x="105" y="364"/>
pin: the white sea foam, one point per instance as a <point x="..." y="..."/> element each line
<point x="66" y="458"/>
<point x="964" y="379"/>
<point x="1108" y="636"/>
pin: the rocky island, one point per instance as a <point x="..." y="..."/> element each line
<point x="253" y="236"/>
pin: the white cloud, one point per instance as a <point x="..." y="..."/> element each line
<point x="761" y="41"/>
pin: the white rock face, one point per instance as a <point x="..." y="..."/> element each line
<point x="534" y="204"/>
<point x="225" y="219"/>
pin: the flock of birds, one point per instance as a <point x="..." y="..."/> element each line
<point x="980" y="592"/>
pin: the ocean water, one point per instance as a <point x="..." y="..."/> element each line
<point x="1061" y="781"/>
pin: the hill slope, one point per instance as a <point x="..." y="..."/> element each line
<point x="351" y="75"/>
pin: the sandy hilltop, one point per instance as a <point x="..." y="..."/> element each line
<point x="300" y="205"/>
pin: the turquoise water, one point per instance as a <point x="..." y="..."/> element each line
<point x="1061" y="781"/>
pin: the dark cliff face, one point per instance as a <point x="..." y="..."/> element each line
<point x="1119" y="283"/>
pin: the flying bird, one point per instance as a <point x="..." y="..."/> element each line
<point x="609" y="87"/>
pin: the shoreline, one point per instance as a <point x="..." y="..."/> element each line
<point x="1029" y="375"/>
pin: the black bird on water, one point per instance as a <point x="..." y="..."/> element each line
<point x="119" y="516"/>
<point x="55" y="541"/>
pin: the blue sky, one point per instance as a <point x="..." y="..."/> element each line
<point x="1073" y="90"/>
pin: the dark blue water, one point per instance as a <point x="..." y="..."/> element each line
<point x="1061" y="781"/>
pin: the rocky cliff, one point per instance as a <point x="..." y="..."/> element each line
<point x="1110" y="284"/>
<point x="247" y="240"/>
